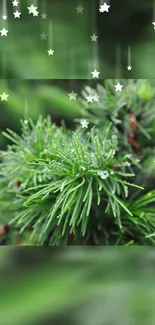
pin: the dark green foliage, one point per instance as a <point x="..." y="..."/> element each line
<point x="137" y="98"/>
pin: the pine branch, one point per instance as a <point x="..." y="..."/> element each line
<point x="68" y="187"/>
<point x="62" y="176"/>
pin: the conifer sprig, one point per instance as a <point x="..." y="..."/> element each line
<point x="63" y="176"/>
<point x="74" y="187"/>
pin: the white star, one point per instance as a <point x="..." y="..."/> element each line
<point x="79" y="9"/>
<point x="17" y="14"/>
<point x="50" y="52"/>
<point x="26" y="121"/>
<point x="4" y="96"/>
<point x="44" y="16"/>
<point x="43" y="36"/>
<point x="32" y="9"/>
<point x="35" y="13"/>
<point x="95" y="73"/>
<point x="84" y="124"/>
<point x="72" y="95"/>
<point x="94" y="38"/>
<point x="15" y="3"/>
<point x="154" y="24"/>
<point x="96" y="98"/>
<point x="4" y="32"/>
<point x="129" y="67"/>
<point x="104" y="8"/>
<point x="118" y="87"/>
<point x="4" y="17"/>
<point x="89" y="99"/>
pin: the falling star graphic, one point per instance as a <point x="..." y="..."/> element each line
<point x="4" y="97"/>
<point x="33" y="7"/>
<point x="94" y="38"/>
<point x="79" y="9"/>
<point x="95" y="51"/>
<point x="104" y="6"/>
<point x="43" y="36"/>
<point x="50" y="38"/>
<point x="4" y="32"/>
<point x="4" y="13"/>
<point x="129" y="67"/>
<point x="153" y="18"/>
<point x="84" y="124"/>
<point x="44" y="16"/>
<point x="95" y="73"/>
<point x="118" y="87"/>
<point x="89" y="99"/>
<point x="72" y="95"/>
<point x="50" y="52"/>
<point x="15" y="3"/>
<point x="25" y="111"/>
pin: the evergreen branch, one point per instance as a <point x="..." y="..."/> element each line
<point x="62" y="177"/>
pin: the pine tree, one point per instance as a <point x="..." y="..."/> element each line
<point x="89" y="186"/>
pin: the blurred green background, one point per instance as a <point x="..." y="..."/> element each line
<point x="37" y="83"/>
<point x="128" y="24"/>
<point x="30" y="98"/>
<point x="81" y="286"/>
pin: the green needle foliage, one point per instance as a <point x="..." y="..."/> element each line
<point x="75" y="187"/>
<point x="134" y="102"/>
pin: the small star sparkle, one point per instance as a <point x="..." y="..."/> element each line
<point x="129" y="67"/>
<point x="95" y="74"/>
<point x="153" y="24"/>
<point x="118" y="87"/>
<point x="84" y="124"/>
<point x="26" y="121"/>
<point x="79" y="9"/>
<point x="72" y="95"/>
<point x="89" y="99"/>
<point x="43" y="36"/>
<point x="35" y="13"/>
<point x="4" y="96"/>
<point x="32" y="9"/>
<point x="15" y="3"/>
<point x="4" y="32"/>
<point x="4" y="17"/>
<point x="96" y="98"/>
<point x="94" y="38"/>
<point x="104" y="8"/>
<point x="17" y="14"/>
<point x="50" y="52"/>
<point x="44" y="16"/>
